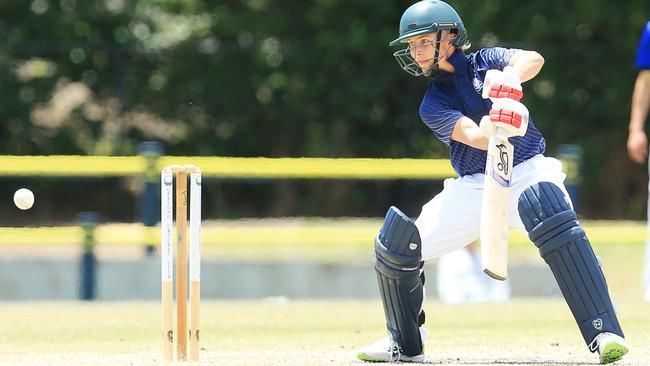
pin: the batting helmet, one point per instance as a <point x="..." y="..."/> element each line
<point x="429" y="16"/>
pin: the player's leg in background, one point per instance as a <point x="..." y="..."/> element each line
<point x="646" y="269"/>
<point x="552" y="226"/>
<point x="460" y="278"/>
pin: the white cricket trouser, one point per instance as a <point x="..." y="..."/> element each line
<point x="451" y="220"/>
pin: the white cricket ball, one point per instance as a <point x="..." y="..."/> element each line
<point x="24" y="199"/>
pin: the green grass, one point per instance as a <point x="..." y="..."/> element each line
<point x="522" y="332"/>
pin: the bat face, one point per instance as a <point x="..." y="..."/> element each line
<point x="494" y="208"/>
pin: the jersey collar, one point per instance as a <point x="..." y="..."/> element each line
<point x="459" y="62"/>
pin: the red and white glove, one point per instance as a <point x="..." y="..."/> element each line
<point x="507" y="113"/>
<point x="502" y="84"/>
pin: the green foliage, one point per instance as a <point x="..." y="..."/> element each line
<point x="289" y="78"/>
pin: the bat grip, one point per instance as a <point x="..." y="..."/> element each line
<point x="500" y="134"/>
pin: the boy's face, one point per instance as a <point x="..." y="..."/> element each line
<point x="423" y="48"/>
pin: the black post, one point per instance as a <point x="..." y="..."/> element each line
<point x="571" y="158"/>
<point x="149" y="200"/>
<point x="88" y="222"/>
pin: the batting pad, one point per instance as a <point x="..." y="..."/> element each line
<point x="398" y="254"/>
<point x="553" y="226"/>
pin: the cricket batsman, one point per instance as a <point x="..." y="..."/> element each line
<point x="459" y="96"/>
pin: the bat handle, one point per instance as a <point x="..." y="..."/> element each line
<point x="500" y="134"/>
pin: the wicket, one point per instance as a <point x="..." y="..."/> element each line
<point x="181" y="173"/>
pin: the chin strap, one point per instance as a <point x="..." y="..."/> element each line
<point x="432" y="70"/>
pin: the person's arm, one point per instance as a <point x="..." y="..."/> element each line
<point x="469" y="133"/>
<point x="526" y="64"/>
<point x="637" y="141"/>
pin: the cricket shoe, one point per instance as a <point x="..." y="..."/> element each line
<point x="610" y="347"/>
<point x="387" y="350"/>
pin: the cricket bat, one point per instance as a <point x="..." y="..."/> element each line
<point x="494" y="209"/>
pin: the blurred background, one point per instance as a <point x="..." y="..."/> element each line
<point x="264" y="78"/>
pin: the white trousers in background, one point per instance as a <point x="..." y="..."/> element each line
<point x="461" y="279"/>
<point x="451" y="220"/>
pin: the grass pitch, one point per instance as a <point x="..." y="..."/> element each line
<point x="281" y="332"/>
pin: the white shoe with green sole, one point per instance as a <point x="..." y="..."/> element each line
<point x="387" y="350"/>
<point x="610" y="347"/>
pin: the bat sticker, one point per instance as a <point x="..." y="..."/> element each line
<point x="503" y="156"/>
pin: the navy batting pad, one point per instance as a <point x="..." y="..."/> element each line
<point x="553" y="226"/>
<point x="398" y="254"/>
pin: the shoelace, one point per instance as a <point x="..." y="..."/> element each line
<point x="593" y="346"/>
<point x="395" y="351"/>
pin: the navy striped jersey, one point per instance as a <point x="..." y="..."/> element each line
<point x="643" y="52"/>
<point x="453" y="95"/>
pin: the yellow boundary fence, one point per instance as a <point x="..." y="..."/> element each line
<point x="249" y="168"/>
<point x="229" y="167"/>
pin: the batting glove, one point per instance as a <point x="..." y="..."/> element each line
<point x="502" y="84"/>
<point x="508" y="115"/>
